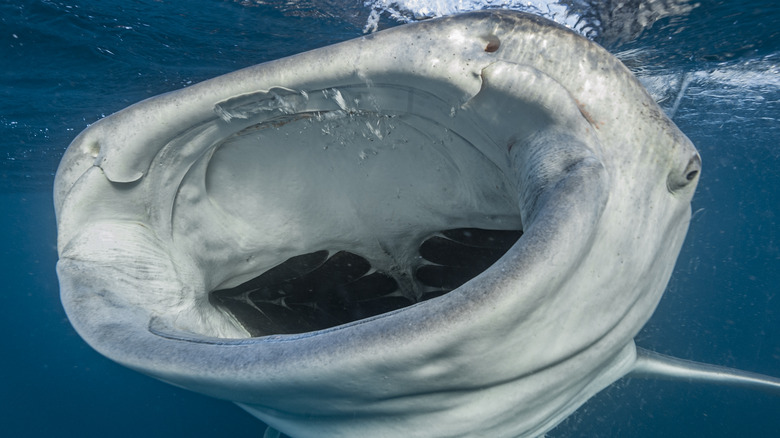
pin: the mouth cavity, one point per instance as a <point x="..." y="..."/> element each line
<point x="317" y="209"/>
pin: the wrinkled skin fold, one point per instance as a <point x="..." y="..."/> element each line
<point x="487" y="121"/>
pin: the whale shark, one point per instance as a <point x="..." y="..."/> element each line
<point x="454" y="227"/>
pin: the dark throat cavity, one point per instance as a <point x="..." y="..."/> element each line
<point x="325" y="288"/>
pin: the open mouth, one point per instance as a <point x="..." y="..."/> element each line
<point x="348" y="210"/>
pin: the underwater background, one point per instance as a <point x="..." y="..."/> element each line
<point x="713" y="65"/>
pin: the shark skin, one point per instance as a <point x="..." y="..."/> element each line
<point x="492" y="120"/>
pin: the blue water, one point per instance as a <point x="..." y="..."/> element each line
<point x="66" y="64"/>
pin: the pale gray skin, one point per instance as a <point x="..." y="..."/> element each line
<point x="498" y="120"/>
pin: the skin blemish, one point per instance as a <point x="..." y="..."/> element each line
<point x="93" y="149"/>
<point x="493" y="43"/>
<point x="586" y="114"/>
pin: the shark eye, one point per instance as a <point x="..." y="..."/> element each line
<point x="678" y="180"/>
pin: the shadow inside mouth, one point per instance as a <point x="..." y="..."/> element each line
<point x="323" y="289"/>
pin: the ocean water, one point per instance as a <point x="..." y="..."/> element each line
<point x="713" y="65"/>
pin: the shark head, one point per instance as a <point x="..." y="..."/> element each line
<point x="451" y="226"/>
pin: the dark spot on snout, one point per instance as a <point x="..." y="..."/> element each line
<point x="493" y="43"/>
